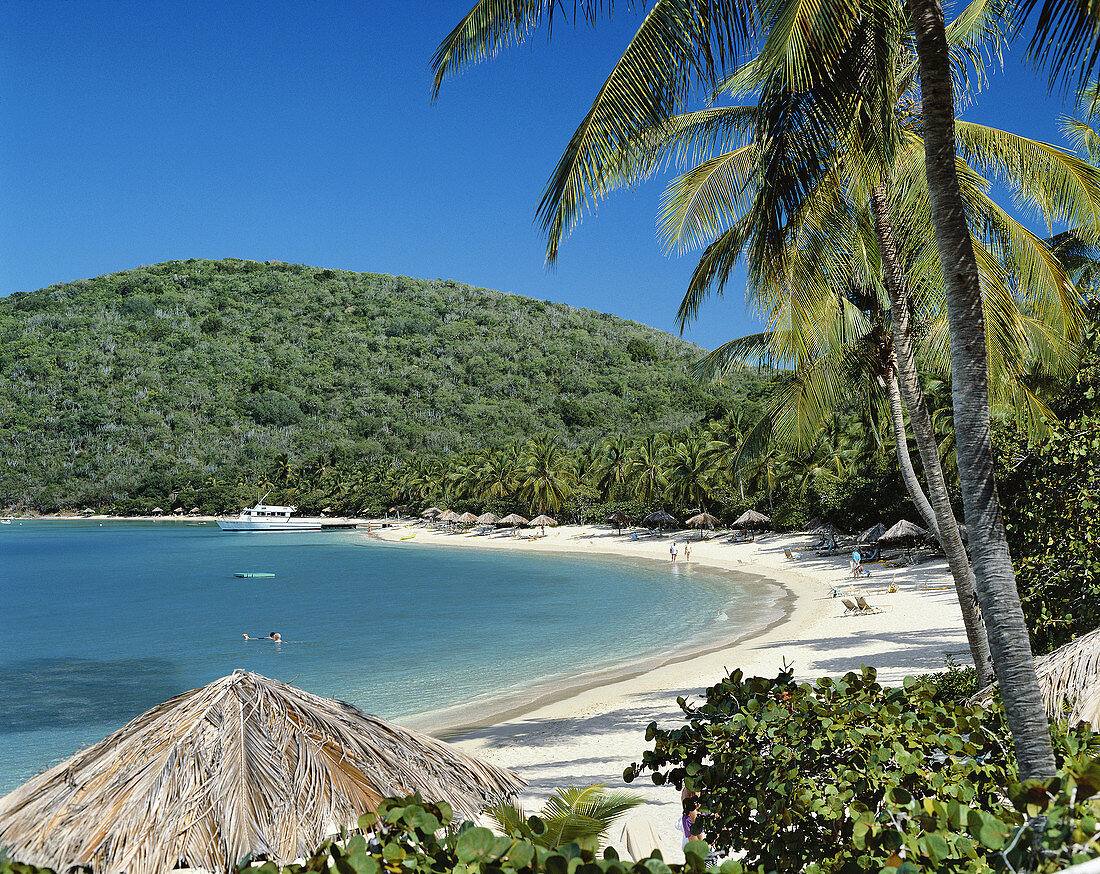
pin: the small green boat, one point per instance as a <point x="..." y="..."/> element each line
<point x="252" y="574"/>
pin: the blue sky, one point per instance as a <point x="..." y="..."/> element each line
<point x="134" y="133"/>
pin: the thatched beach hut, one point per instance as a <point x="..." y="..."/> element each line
<point x="904" y="533"/>
<point x="244" y="766"/>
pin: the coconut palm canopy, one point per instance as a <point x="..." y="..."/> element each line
<point x="488" y="518"/>
<point x="543" y="520"/>
<point x="514" y="519"/>
<point x="903" y="530"/>
<point x="702" y="519"/>
<point x="752" y="519"/>
<point x="872" y="534"/>
<point x="431" y="513"/>
<point x="246" y="765"/>
<point x="467" y="518"/>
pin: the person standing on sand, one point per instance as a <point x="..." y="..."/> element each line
<point x="690" y="803"/>
<point x="672" y="551"/>
<point x="687" y="551"/>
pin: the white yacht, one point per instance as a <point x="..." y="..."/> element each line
<point x="269" y="517"/>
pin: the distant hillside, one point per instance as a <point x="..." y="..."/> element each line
<point x="192" y="369"/>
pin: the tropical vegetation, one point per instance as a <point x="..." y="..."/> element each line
<point x="845" y="775"/>
<point x="130" y="389"/>
<point x="829" y="78"/>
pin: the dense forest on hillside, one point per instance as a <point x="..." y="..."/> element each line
<point x="131" y="386"/>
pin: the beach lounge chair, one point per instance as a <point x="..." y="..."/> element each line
<point x="849" y="606"/>
<point x="864" y="607"/>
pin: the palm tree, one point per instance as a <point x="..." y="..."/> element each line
<point x="680" y="41"/>
<point x="689" y="470"/>
<point x="646" y="469"/>
<point x="1048" y="177"/>
<point x="547" y="475"/>
<point x="613" y="465"/>
<point x="580" y="815"/>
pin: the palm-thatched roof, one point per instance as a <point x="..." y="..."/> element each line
<point x="246" y="765"/>
<point x="902" y="531"/>
<point x="752" y="519"/>
<point x="702" y="519"/>
<point x="660" y="517"/>
<point x="467" y="518"/>
<point x="156" y="510"/>
<point x="488" y="519"/>
<point x="431" y="513"/>
<point x="872" y="534"/>
<point x="514" y="519"/>
<point x="543" y="520"/>
<point x="449" y="516"/>
<point x="1069" y="679"/>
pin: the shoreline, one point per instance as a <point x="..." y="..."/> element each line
<point x="590" y="731"/>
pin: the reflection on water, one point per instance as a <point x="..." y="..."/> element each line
<point x="65" y="692"/>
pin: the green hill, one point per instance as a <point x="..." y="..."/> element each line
<point x="187" y="370"/>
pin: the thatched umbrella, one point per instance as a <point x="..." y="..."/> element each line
<point x="1069" y="679"/>
<point x="513" y="519"/>
<point x="904" y="533"/>
<point x="660" y="518"/>
<point x="246" y="765"/>
<point x="431" y="513"/>
<point x="449" y="516"/>
<point x="467" y="518"/>
<point x="178" y="511"/>
<point x="488" y="519"/>
<point x="700" y="520"/>
<point x="156" y="511"/>
<point x="542" y="521"/>
<point x="618" y="518"/>
<point x="752" y="519"/>
<point x="872" y="534"/>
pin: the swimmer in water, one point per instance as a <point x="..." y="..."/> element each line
<point x="275" y="636"/>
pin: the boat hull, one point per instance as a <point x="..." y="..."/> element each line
<point x="245" y="525"/>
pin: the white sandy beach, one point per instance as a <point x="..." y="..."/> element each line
<point x="592" y="736"/>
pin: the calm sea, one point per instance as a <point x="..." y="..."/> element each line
<point x="101" y="622"/>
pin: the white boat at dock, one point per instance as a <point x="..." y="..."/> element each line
<point x="273" y="517"/>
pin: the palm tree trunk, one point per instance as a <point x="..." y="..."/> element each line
<point x="996" y="581"/>
<point x="947" y="529"/>
<point x="901" y="448"/>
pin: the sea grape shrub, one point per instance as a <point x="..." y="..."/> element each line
<point x="845" y="775"/>
<point x="413" y="836"/>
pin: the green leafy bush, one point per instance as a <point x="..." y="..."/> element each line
<point x="845" y="775"/>
<point x="1050" y="492"/>
<point x="408" y="838"/>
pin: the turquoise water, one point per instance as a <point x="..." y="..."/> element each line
<point x="101" y="622"/>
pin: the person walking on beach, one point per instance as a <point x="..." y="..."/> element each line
<point x="672" y="551"/>
<point x="687" y="551"/>
<point x="857" y="564"/>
